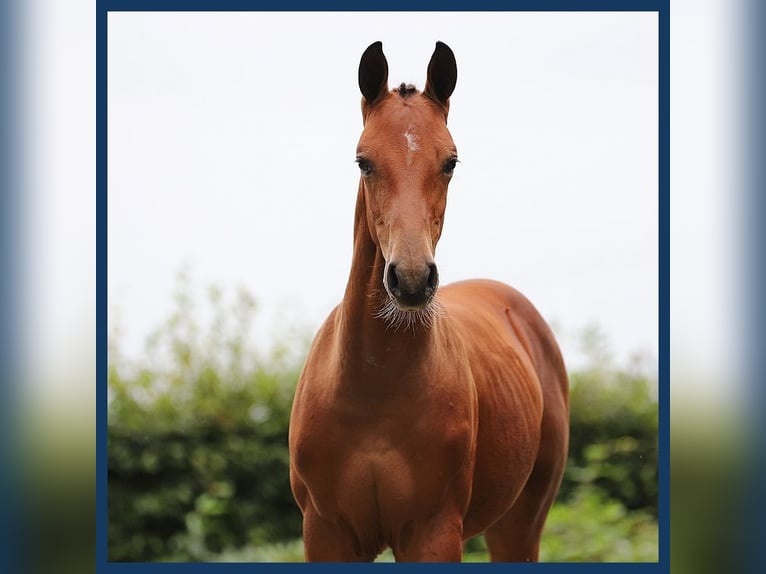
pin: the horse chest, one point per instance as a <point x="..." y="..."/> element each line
<point x="380" y="467"/>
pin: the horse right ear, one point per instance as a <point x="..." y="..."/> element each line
<point x="373" y="73"/>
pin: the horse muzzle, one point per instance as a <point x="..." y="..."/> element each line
<point x="411" y="288"/>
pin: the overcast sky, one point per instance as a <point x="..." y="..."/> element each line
<point x="232" y="141"/>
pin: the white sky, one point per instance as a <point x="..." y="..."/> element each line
<point x="231" y="151"/>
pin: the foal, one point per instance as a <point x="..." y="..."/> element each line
<point x="423" y="417"/>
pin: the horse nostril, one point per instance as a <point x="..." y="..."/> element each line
<point x="433" y="277"/>
<point x="392" y="280"/>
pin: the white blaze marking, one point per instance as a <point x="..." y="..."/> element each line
<point x="412" y="143"/>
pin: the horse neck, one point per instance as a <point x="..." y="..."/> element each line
<point x="366" y="342"/>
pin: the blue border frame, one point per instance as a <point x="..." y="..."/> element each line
<point x="103" y="7"/>
<point x="663" y="460"/>
<point x="384" y="5"/>
<point x="12" y="267"/>
<point x="755" y="283"/>
<point x="102" y="325"/>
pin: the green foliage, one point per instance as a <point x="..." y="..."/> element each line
<point x="613" y="431"/>
<point x="591" y="527"/>
<point x="198" y="460"/>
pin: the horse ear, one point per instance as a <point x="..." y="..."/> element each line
<point x="442" y="74"/>
<point x="373" y="73"/>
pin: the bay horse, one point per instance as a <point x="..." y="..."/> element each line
<point x="424" y="415"/>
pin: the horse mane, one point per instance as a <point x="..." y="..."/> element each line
<point x="405" y="90"/>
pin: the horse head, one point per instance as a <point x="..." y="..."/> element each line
<point x="406" y="157"/>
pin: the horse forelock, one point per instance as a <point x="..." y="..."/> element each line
<point x="406" y="90"/>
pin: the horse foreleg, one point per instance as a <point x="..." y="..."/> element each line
<point x="325" y="541"/>
<point x="439" y="539"/>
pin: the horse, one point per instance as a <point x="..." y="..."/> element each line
<point x="424" y="415"/>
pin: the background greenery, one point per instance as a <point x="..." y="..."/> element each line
<point x="198" y="461"/>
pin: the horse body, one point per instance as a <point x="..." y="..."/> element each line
<point x="418" y="429"/>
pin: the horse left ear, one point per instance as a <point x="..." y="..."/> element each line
<point x="442" y="74"/>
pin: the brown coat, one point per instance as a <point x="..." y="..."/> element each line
<point x="423" y="417"/>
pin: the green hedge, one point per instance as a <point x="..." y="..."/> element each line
<point x="613" y="436"/>
<point x="184" y="495"/>
<point x="198" y="438"/>
<point x="198" y="461"/>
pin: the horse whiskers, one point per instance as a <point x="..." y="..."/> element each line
<point x="396" y="318"/>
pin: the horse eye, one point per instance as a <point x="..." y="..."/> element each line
<point x="364" y="165"/>
<point x="449" y="166"/>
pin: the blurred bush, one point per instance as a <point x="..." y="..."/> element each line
<point x="613" y="443"/>
<point x="591" y="527"/>
<point x="198" y="460"/>
<point x="198" y="439"/>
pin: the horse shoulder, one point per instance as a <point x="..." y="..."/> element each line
<point x="497" y="341"/>
<point x="502" y="348"/>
